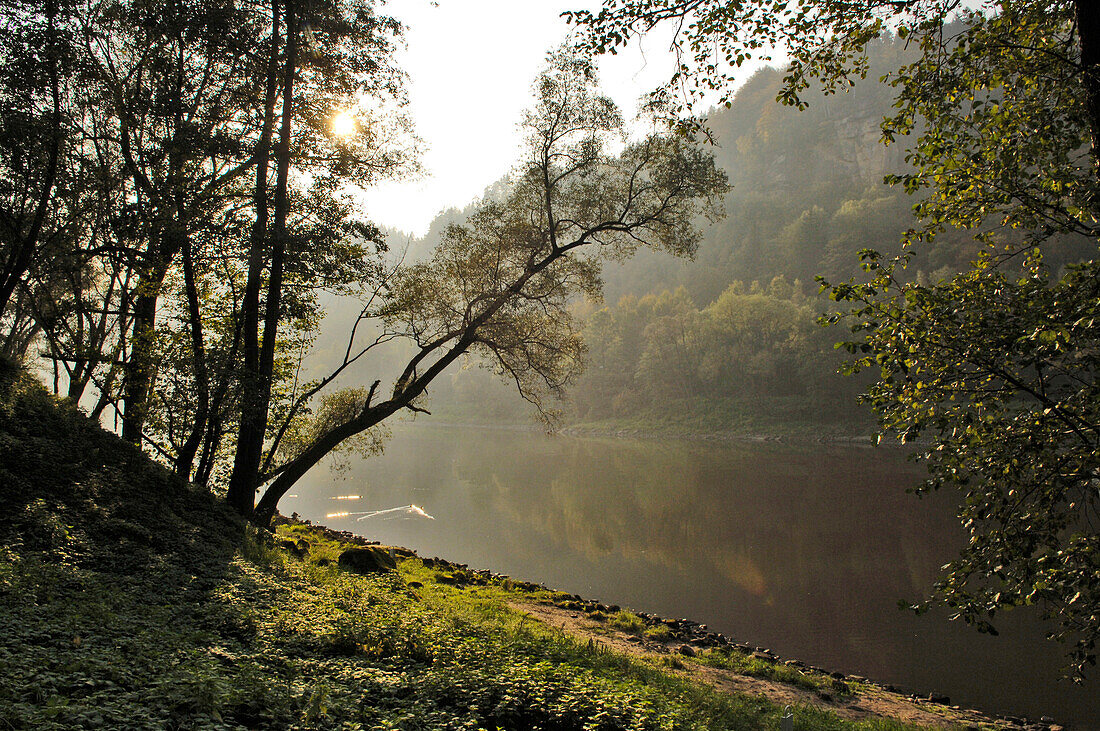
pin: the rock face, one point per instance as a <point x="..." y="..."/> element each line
<point x="367" y="560"/>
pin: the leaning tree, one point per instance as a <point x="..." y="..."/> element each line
<point x="499" y="285"/>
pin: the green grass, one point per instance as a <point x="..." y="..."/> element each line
<point x="627" y="621"/>
<point x="130" y="600"/>
<point x="745" y="664"/>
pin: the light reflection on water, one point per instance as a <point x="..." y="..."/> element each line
<point x="805" y="550"/>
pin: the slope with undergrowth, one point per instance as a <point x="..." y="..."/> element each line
<point x="129" y="599"/>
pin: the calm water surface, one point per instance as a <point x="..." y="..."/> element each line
<point x="802" y="549"/>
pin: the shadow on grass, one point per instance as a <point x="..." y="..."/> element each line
<point x="112" y="576"/>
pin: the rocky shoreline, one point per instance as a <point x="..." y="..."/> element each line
<point x="686" y="637"/>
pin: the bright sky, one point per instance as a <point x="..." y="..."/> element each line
<point x="471" y="64"/>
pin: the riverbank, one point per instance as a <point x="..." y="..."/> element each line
<point x="131" y="600"/>
<point x="724" y="420"/>
<point x="616" y="429"/>
<point x="677" y="648"/>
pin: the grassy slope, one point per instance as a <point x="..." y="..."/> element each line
<point x="130" y="600"/>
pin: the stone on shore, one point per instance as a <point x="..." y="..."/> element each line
<point x="367" y="560"/>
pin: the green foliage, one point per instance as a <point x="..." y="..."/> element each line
<point x="995" y="366"/>
<point x="1000" y="98"/>
<point x="996" y="374"/>
<point x="824" y="42"/>
<point x="723" y="367"/>
<point x="627" y="621"/>
<point x="333" y="409"/>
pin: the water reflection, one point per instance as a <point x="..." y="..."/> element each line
<point x="804" y="550"/>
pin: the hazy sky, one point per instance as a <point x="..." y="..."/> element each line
<point x="471" y="64"/>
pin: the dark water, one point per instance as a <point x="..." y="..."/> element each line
<point x="804" y="550"/>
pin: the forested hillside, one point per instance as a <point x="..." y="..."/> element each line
<point x="729" y="341"/>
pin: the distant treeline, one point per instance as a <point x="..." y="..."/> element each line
<point x="754" y="359"/>
<point x="753" y="342"/>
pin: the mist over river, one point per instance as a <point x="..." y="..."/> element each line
<point x="803" y="549"/>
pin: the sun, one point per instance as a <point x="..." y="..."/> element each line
<point x="344" y="124"/>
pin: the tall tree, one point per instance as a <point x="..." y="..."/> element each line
<point x="174" y="78"/>
<point x="340" y="53"/>
<point x="259" y="358"/>
<point x="995" y="367"/>
<point x="36" y="49"/>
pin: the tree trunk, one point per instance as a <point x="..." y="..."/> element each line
<point x="301" y="464"/>
<point x="135" y="385"/>
<point x="409" y="389"/>
<point x="186" y="457"/>
<point x="1088" y="31"/>
<point x="259" y="359"/>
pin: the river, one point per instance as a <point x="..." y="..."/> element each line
<point x="802" y="549"/>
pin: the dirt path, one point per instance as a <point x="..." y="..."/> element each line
<point x="862" y="701"/>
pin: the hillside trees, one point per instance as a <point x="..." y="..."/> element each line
<point x="212" y="189"/>
<point x="994" y="367"/>
<point x="171" y="77"/>
<point x="157" y="219"/>
<point x="37" y="50"/>
<point x="754" y="349"/>
<point x="498" y="286"/>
